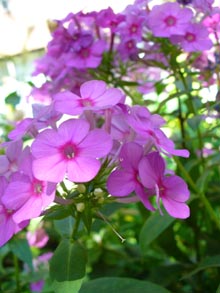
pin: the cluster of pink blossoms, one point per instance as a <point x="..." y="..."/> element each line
<point x="71" y="138"/>
<point x="82" y="123"/>
<point x="84" y="41"/>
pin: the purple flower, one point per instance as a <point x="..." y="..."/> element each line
<point x="169" y="19"/>
<point x="94" y="96"/>
<point x="8" y="227"/>
<point x="9" y="162"/>
<point x="148" y="126"/>
<point x="106" y="18"/>
<point x="37" y="238"/>
<point x="196" y="38"/>
<point x="171" y="190"/>
<point x="86" y="57"/>
<point x="71" y="149"/>
<point x="24" y="192"/>
<point x="125" y="180"/>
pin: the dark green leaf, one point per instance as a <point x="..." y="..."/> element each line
<point x="64" y="226"/>
<point x="153" y="227"/>
<point x="22" y="250"/>
<point x="13" y="99"/>
<point x="119" y="285"/>
<point x="212" y="261"/>
<point x="68" y="262"/>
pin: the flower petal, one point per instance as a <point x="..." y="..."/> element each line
<point x="176" y="209"/>
<point x="82" y="169"/>
<point x="120" y="183"/>
<point x="73" y="130"/>
<point x="151" y="169"/>
<point x="92" y="89"/>
<point x="97" y="144"/>
<point x="67" y="103"/>
<point x="176" y="188"/>
<point x="51" y="168"/>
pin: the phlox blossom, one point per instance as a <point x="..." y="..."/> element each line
<point x="94" y="95"/>
<point x="10" y="162"/>
<point x="72" y="149"/>
<point x="169" y="19"/>
<point x="148" y="126"/>
<point x="196" y="38"/>
<point x="125" y="180"/>
<point x="26" y="195"/>
<point x="8" y="227"/>
<point x="87" y="57"/>
<point x="171" y="190"/>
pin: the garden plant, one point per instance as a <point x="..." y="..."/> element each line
<point x="112" y="185"/>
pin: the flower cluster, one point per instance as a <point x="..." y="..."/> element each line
<point x="87" y="130"/>
<point x="135" y="37"/>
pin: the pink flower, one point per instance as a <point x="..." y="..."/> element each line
<point x="10" y="162"/>
<point x="196" y="38"/>
<point x="125" y="180"/>
<point x="71" y="149"/>
<point x="37" y="238"/>
<point x="94" y="96"/>
<point x="148" y="126"/>
<point x="8" y="227"/>
<point x="203" y="5"/>
<point x="171" y="190"/>
<point x="87" y="57"/>
<point x="23" y="193"/>
<point x="132" y="27"/>
<point x="108" y="19"/>
<point x="169" y="19"/>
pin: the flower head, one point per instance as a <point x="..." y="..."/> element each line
<point x="71" y="150"/>
<point x="171" y="190"/>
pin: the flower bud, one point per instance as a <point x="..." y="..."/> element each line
<point x="81" y="188"/>
<point x="80" y="207"/>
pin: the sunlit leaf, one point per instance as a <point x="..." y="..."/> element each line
<point x="68" y="262"/>
<point x="119" y="285"/>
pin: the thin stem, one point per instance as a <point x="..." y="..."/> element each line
<point x="64" y="187"/>
<point x="76" y="225"/>
<point x="203" y="197"/>
<point x="194" y="112"/>
<point x="17" y="273"/>
<point x="113" y="229"/>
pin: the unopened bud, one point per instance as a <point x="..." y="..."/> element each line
<point x="98" y="192"/>
<point x="81" y="188"/>
<point x="80" y="207"/>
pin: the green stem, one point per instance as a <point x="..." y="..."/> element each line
<point x="200" y="141"/>
<point x="17" y="273"/>
<point x="203" y="197"/>
<point x="64" y="187"/>
<point x="76" y="225"/>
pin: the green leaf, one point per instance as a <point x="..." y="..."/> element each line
<point x="67" y="286"/>
<point x="119" y="285"/>
<point x="68" y="262"/>
<point x="218" y="289"/>
<point x="22" y="250"/>
<point x="57" y="212"/>
<point x="87" y="216"/>
<point x="64" y="226"/>
<point x="13" y="99"/>
<point x="153" y="227"/>
<point x="212" y="261"/>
